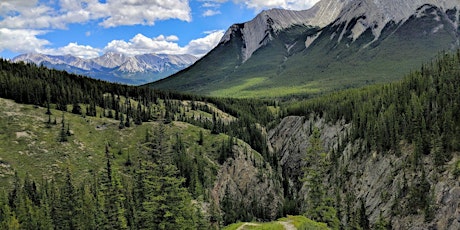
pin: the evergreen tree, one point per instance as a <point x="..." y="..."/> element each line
<point x="63" y="133"/>
<point x="67" y="205"/>
<point x="138" y="116"/>
<point x="167" y="203"/>
<point x="76" y="109"/>
<point x="229" y="207"/>
<point x="319" y="207"/>
<point x="128" y="122"/>
<point x="88" y="217"/>
<point x="122" y="124"/>
<point x="8" y="219"/>
<point x="201" y="138"/>
<point x="48" y="99"/>
<point x="113" y="198"/>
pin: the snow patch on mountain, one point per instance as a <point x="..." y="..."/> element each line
<point x="138" y="63"/>
<point x="111" y="59"/>
<point x="156" y="62"/>
<point x="114" y="64"/>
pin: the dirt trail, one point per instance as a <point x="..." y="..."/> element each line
<point x="287" y="225"/>
<point x="246" y="224"/>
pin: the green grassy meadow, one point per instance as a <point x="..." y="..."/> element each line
<point x="28" y="145"/>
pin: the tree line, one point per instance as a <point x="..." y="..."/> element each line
<point x="420" y="109"/>
<point x="31" y="84"/>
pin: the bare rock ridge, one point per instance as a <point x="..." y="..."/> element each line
<point x="376" y="14"/>
<point x="372" y="14"/>
<point x="376" y="181"/>
<point x="115" y="66"/>
<point x="111" y="59"/>
<point x="256" y="31"/>
<point x="138" y="63"/>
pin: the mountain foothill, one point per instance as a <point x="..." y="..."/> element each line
<point x="342" y="116"/>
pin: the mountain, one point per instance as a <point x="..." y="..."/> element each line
<point x="115" y="67"/>
<point x="76" y="149"/>
<point x="334" y="45"/>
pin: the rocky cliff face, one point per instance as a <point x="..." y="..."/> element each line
<point x="249" y="183"/>
<point x="375" y="15"/>
<point x="386" y="184"/>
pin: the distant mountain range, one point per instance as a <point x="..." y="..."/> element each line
<point x="115" y="67"/>
<point x="334" y="45"/>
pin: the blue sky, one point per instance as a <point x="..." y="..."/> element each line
<point x="90" y="28"/>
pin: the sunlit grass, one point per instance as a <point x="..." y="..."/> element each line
<point x="29" y="146"/>
<point x="254" y="87"/>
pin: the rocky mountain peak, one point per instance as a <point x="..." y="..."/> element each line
<point x="113" y="66"/>
<point x="375" y="14"/>
<point x="257" y="31"/>
<point x="111" y="59"/>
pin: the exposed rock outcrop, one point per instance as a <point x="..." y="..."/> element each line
<point x="249" y="182"/>
<point x="115" y="67"/>
<point x="386" y="184"/>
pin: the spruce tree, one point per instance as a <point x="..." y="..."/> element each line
<point x="167" y="204"/>
<point x="319" y="207"/>
<point x="111" y="189"/>
<point x="67" y="205"/>
<point x="63" y="133"/>
<point x="48" y="99"/>
<point x="121" y="125"/>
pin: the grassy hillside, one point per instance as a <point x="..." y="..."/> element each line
<point x="124" y="147"/>
<point x="31" y="146"/>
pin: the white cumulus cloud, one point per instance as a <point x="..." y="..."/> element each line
<point x="258" y="5"/>
<point x="146" y="12"/>
<point x="10" y="6"/>
<point x="210" y="12"/>
<point x="22" y="14"/>
<point x="73" y="48"/>
<point x="201" y="46"/>
<point x="140" y="44"/>
<point x="21" y="40"/>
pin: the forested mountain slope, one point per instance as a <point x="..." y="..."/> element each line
<point x="388" y="154"/>
<point x="356" y="43"/>
<point x="91" y="154"/>
<point x="81" y="153"/>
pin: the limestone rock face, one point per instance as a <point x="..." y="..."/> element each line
<point x="381" y="182"/>
<point x="371" y="14"/>
<point x="376" y="14"/>
<point x="257" y="32"/>
<point x="249" y="182"/>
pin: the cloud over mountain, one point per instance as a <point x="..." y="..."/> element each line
<point x="30" y="25"/>
<point x="265" y="4"/>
